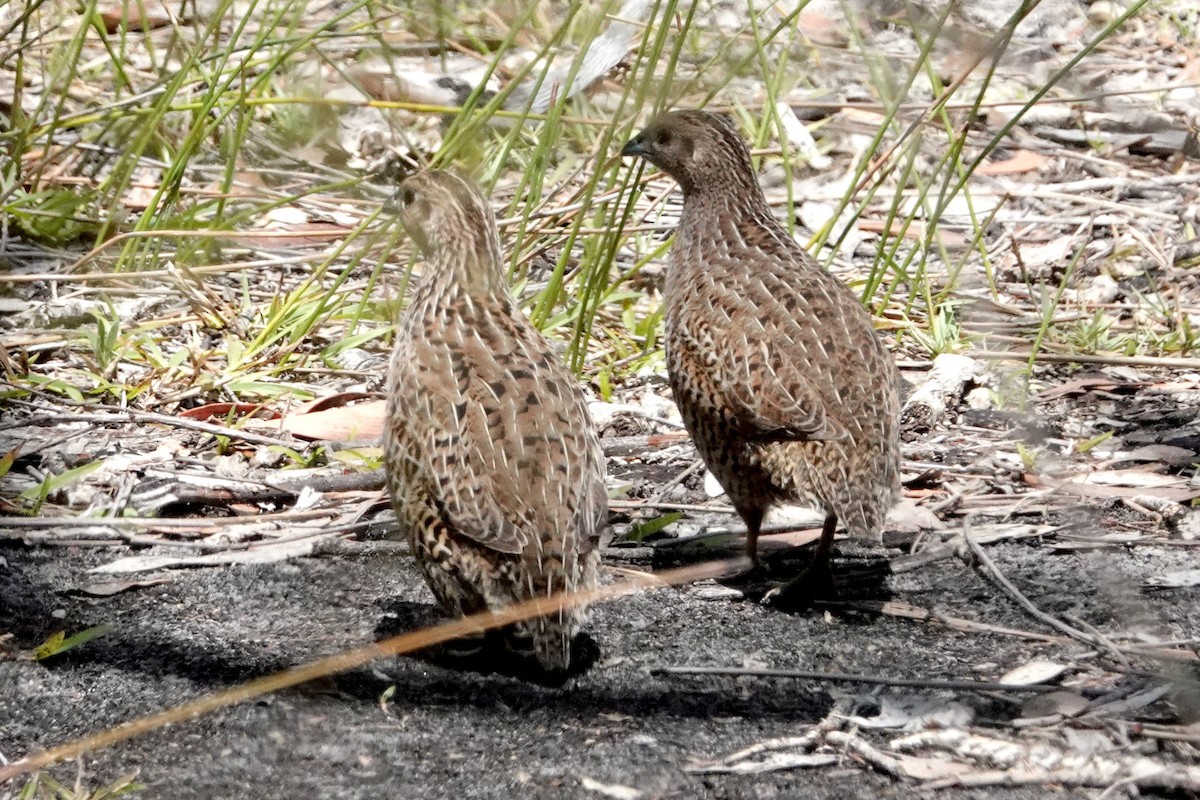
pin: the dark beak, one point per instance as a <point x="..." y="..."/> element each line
<point x="636" y="147"/>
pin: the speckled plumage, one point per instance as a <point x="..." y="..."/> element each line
<point x="776" y="367"/>
<point x="493" y="464"/>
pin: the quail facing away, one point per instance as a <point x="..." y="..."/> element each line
<point x="781" y="379"/>
<point x="493" y="464"/>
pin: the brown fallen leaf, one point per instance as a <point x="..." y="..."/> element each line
<point x="914" y="230"/>
<point x="344" y="423"/>
<point x="224" y="411"/>
<point x="134" y="17"/>
<point x="1021" y="161"/>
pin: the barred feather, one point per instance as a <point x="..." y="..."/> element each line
<point x="493" y="464"/>
<point x="776" y="367"/>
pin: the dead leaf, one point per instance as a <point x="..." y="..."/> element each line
<point x="1167" y="454"/>
<point x="1051" y="254"/>
<point x="914" y="230"/>
<point x="1179" y="490"/>
<point x="348" y="423"/>
<point x="1141" y="478"/>
<point x="909" y="517"/>
<point x="821" y="28"/>
<point x="295" y="235"/>
<point x="1021" y="161"/>
<point x="1032" y="672"/>
<point x="109" y="588"/>
<point x="1062" y="704"/>
<point x="1082" y="385"/>
<point x="916" y="712"/>
<point x="1175" y="580"/>
<point x="135" y="17"/>
<point x="223" y="411"/>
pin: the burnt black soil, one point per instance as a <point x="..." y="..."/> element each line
<point x="447" y="734"/>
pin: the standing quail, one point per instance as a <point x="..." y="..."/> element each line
<point x="493" y="463"/>
<point x="776" y="367"/>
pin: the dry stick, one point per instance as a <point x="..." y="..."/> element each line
<point x="634" y="505"/>
<point x="1094" y="773"/>
<point x="1080" y="358"/>
<point x="166" y="523"/>
<point x="696" y="466"/>
<point x="1174" y="733"/>
<point x="899" y="610"/>
<point x="855" y="745"/>
<point x="844" y="677"/>
<point x="129" y="415"/>
<point x="120" y="277"/>
<point x="1025" y="603"/>
<point x="917" y="614"/>
<point x="396" y="645"/>
<point x="186" y="234"/>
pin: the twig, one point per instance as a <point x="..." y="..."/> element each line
<point x="1024" y="602"/>
<point x="843" y="677"/>
<point x="853" y="743"/>
<point x="696" y="466"/>
<point x="130" y="415"/>
<point x="1099" y="636"/>
<point x="766" y="750"/>
<point x="1166" y="776"/>
<point x="190" y="524"/>
<point x="906" y="611"/>
<point x="1084" y="358"/>
<point x="633" y="505"/>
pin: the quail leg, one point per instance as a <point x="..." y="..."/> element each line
<point x="815" y="582"/>
<point x="756" y="573"/>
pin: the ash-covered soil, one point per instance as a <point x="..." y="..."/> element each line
<point x="445" y="734"/>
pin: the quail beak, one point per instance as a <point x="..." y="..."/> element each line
<point x="636" y="147"/>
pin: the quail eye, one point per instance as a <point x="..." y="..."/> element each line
<point x="407" y="195"/>
<point x="662" y="138"/>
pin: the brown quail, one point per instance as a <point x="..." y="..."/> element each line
<point x="493" y="464"/>
<point x="781" y="379"/>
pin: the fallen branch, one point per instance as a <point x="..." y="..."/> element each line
<point x="942" y="390"/>
<point x="1042" y="762"/>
